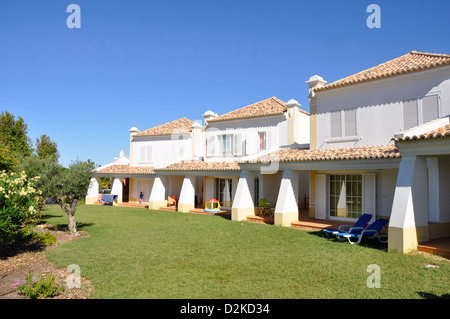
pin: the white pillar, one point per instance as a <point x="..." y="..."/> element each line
<point x="433" y="189"/>
<point x="158" y="194"/>
<point x="408" y="223"/>
<point x="243" y="204"/>
<point x="286" y="210"/>
<point x="187" y="194"/>
<point x="117" y="189"/>
<point x="92" y="193"/>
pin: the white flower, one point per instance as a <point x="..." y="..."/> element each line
<point x="32" y="209"/>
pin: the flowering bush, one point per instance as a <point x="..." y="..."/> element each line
<point x="20" y="204"/>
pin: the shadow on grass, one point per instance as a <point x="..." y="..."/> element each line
<point x="65" y="227"/>
<point x="366" y="242"/>
<point x="224" y="215"/>
<point x="11" y="250"/>
<point x="49" y="216"/>
<point x="426" y="295"/>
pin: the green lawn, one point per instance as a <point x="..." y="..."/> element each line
<point x="137" y="253"/>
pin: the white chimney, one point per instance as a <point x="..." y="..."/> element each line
<point x="209" y="114"/>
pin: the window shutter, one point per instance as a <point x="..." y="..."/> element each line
<point x="211" y="145"/>
<point x="173" y="152"/>
<point x="237" y="144"/>
<point x="350" y="122"/>
<point x="180" y="151"/>
<point x="430" y="107"/>
<point x="273" y="139"/>
<point x="142" y="154"/>
<point x="410" y="117"/>
<point x="252" y="141"/>
<point x="335" y="124"/>
<point x="148" y="154"/>
<point x="321" y="196"/>
<point x="369" y="195"/>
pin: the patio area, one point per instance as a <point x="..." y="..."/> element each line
<point x="439" y="247"/>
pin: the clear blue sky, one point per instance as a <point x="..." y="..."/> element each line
<point x="143" y="63"/>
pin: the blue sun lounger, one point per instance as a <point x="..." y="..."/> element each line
<point x="373" y="231"/>
<point x="361" y="223"/>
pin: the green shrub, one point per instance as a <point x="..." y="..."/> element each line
<point x="20" y="205"/>
<point x="45" y="239"/>
<point x="43" y="288"/>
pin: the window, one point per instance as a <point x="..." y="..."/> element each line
<point x="346" y="199"/>
<point x="226" y="144"/>
<point x="262" y="141"/>
<point x="418" y="111"/>
<point x="224" y="191"/>
<point x="145" y="154"/>
<point x="343" y="123"/>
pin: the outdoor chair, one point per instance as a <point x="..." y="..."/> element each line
<point x="373" y="231"/>
<point x="265" y="209"/>
<point x="360" y="223"/>
<point x="171" y="200"/>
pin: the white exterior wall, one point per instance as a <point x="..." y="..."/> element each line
<point x="379" y="105"/>
<point x="386" y="182"/>
<point x="139" y="185"/>
<point x="164" y="150"/>
<point x="304" y="130"/>
<point x="248" y="128"/>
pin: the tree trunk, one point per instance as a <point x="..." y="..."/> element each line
<point x="73" y="225"/>
<point x="71" y="213"/>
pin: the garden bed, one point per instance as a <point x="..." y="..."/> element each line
<point x="17" y="259"/>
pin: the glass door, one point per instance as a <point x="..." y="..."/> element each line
<point x="224" y="192"/>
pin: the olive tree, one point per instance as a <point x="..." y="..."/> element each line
<point x="64" y="186"/>
<point x="71" y="186"/>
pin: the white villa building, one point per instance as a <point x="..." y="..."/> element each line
<point x="374" y="142"/>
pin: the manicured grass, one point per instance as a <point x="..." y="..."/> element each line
<point x="137" y="253"/>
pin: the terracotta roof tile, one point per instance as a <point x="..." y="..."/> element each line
<point x="441" y="132"/>
<point x="193" y="165"/>
<point x="348" y="153"/>
<point x="126" y="169"/>
<point x="411" y="62"/>
<point x="180" y="125"/>
<point x="268" y="107"/>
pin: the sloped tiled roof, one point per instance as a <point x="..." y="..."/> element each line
<point x="193" y="165"/>
<point x="410" y="62"/>
<point x="330" y="154"/>
<point x="126" y="169"/>
<point x="267" y="107"/>
<point x="441" y="132"/>
<point x="177" y="126"/>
